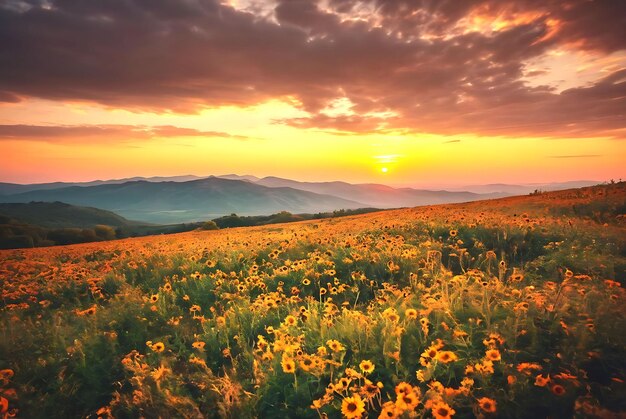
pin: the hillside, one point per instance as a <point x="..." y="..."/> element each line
<point x="511" y="307"/>
<point x="59" y="214"/>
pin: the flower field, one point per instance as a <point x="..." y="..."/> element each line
<point x="505" y="308"/>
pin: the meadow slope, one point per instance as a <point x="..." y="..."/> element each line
<point x="505" y="308"/>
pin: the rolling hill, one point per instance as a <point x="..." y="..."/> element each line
<point x="523" y="294"/>
<point x="62" y="215"/>
<point x="176" y="202"/>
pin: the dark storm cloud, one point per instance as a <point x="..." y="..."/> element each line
<point x="411" y="59"/>
<point x="100" y="133"/>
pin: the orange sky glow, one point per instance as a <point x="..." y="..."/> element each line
<point x="394" y="92"/>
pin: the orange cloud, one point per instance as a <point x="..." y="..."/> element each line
<point x="103" y="133"/>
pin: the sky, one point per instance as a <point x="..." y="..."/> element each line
<point x="402" y="92"/>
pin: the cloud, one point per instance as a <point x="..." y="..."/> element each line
<point x="101" y="133"/>
<point x="444" y="67"/>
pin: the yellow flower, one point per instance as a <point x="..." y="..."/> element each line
<point x="367" y="366"/>
<point x="307" y="363"/>
<point x="198" y="345"/>
<point x="403" y="388"/>
<point x="389" y="411"/>
<point x="158" y="347"/>
<point x="442" y="410"/>
<point x="290" y="320"/>
<point x="353" y="407"/>
<point x="335" y="345"/>
<point x="288" y="364"/>
<point x="487" y="405"/>
<point x="446" y="357"/>
<point x="407" y="401"/>
<point x="410" y="313"/>
<point x="493" y="355"/>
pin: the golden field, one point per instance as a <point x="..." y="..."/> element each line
<point x="504" y="308"/>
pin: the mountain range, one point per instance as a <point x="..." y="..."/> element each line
<point x="168" y="202"/>
<point x="179" y="199"/>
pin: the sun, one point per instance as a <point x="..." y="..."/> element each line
<point x="384" y="170"/>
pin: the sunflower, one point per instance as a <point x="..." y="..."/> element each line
<point x="335" y="345"/>
<point x="429" y="354"/>
<point x="403" y="388"/>
<point x="410" y="313"/>
<point x="290" y="320"/>
<point x="453" y="233"/>
<point x="366" y="366"/>
<point x="407" y="401"/>
<point x="288" y="364"/>
<point x="353" y="407"/>
<point x="158" y="347"/>
<point x="198" y="345"/>
<point x="389" y="411"/>
<point x="306" y="282"/>
<point x="446" y="357"/>
<point x="493" y="355"/>
<point x="342" y="384"/>
<point x="442" y="410"/>
<point x="487" y="405"/>
<point x="307" y="363"/>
